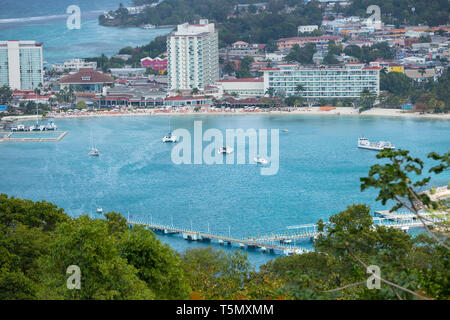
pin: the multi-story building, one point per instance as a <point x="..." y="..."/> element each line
<point x="307" y="28"/>
<point x="193" y="53"/>
<point x="243" y="49"/>
<point x="74" y="65"/>
<point x="21" y="64"/>
<point x="243" y="87"/>
<point x="288" y="43"/>
<point x="157" y="64"/>
<point x="340" y="81"/>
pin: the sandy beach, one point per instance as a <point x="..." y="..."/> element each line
<point x="338" y="111"/>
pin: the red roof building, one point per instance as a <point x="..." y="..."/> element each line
<point x="86" y="80"/>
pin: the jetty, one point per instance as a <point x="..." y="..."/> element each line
<point x="243" y="243"/>
<point x="9" y="137"/>
<point x="285" y="243"/>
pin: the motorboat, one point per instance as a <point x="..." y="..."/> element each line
<point x="364" y="143"/>
<point x="261" y="160"/>
<point x="51" y="126"/>
<point x="225" y="149"/>
<point x="99" y="210"/>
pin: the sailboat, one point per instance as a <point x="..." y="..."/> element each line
<point x="93" y="150"/>
<point x="169" y="137"/>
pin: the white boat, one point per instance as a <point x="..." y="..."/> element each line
<point x="148" y="26"/>
<point x="169" y="138"/>
<point x="99" y="210"/>
<point x="225" y="149"/>
<point x="51" y="126"/>
<point x="364" y="143"/>
<point x="260" y="160"/>
<point x="93" y="151"/>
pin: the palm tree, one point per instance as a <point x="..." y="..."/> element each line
<point x="299" y="88"/>
<point x="195" y="91"/>
<point x="270" y="92"/>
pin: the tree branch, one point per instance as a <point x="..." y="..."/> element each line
<point x="384" y="280"/>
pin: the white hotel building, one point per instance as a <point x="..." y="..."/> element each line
<point x="193" y="56"/>
<point x="346" y="81"/>
<point x="21" y="64"/>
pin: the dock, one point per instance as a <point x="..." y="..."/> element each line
<point x="281" y="243"/>
<point x="243" y="243"/>
<point x="311" y="230"/>
<point x="9" y="137"/>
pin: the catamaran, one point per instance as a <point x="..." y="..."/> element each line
<point x="169" y="137"/>
<point x="364" y="143"/>
<point x="93" y="150"/>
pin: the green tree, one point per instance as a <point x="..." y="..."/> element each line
<point x="81" y="105"/>
<point x="104" y="274"/>
<point x="156" y="263"/>
<point x="5" y="95"/>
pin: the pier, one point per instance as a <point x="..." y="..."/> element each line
<point x="282" y="242"/>
<point x="310" y="231"/>
<point x="249" y="243"/>
<point x="9" y="137"/>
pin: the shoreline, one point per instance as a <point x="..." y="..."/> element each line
<point x="339" y="111"/>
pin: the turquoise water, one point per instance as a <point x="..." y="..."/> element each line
<point x="47" y="24"/>
<point x="318" y="176"/>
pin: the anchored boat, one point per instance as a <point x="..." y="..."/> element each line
<point x="93" y="150"/>
<point x="225" y="149"/>
<point x="170" y="137"/>
<point x="364" y="143"/>
<point x="261" y="160"/>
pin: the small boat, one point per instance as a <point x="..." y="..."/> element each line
<point x="169" y="138"/>
<point x="264" y="249"/>
<point x="285" y="130"/>
<point x="261" y="160"/>
<point x="99" y="210"/>
<point x="241" y="245"/>
<point x="93" y="150"/>
<point x="51" y="126"/>
<point x="225" y="149"/>
<point x="364" y="143"/>
<point x="148" y="26"/>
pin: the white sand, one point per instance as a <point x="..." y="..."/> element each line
<point x="339" y="111"/>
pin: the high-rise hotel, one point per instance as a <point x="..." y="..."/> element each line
<point x="193" y="52"/>
<point x="21" y="64"/>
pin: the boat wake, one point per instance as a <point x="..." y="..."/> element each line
<point x="46" y="18"/>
